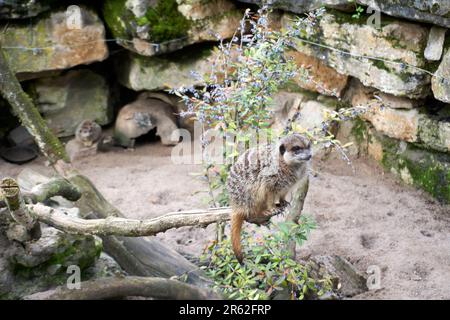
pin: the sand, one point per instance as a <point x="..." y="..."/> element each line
<point x="363" y="215"/>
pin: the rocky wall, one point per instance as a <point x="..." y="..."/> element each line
<point x="72" y="62"/>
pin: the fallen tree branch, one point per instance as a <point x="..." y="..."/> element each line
<point x="54" y="187"/>
<point x="115" y="226"/>
<point x="146" y="257"/>
<point x="51" y="188"/>
<point x="27" y="215"/>
<point x="115" y="287"/>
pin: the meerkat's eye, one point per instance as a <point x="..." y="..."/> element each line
<point x="282" y="149"/>
<point x="296" y="149"/>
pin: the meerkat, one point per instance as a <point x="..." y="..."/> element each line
<point x="88" y="132"/>
<point x="260" y="180"/>
<point x="88" y="139"/>
<point x="141" y="116"/>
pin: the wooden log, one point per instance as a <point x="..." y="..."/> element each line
<point x="118" y="287"/>
<point x="145" y="257"/>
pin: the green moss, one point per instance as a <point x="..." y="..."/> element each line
<point x="431" y="176"/>
<point x="75" y="253"/>
<point x="342" y="17"/>
<point x="426" y="169"/>
<point x="435" y="8"/>
<point x="359" y="131"/>
<point x="166" y="22"/>
<point x="164" y="19"/>
<point x="396" y="42"/>
<point x="115" y="14"/>
<point x="380" y="64"/>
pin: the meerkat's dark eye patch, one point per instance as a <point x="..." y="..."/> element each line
<point x="296" y="149"/>
<point x="282" y="149"/>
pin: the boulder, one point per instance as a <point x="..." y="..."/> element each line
<point x="51" y="43"/>
<point x="166" y="71"/>
<point x="428" y="170"/>
<point x="67" y="100"/>
<point x="347" y="280"/>
<point x="404" y="119"/>
<point x="351" y="47"/>
<point x="395" y="123"/>
<point x="430" y="11"/>
<point x="435" y="44"/>
<point x="305" y="110"/>
<point x="440" y="82"/>
<point x="395" y="117"/>
<point x="319" y="77"/>
<point x="434" y="132"/>
<point x="36" y="266"/>
<point x="424" y="168"/>
<point x="161" y="26"/>
<point x="185" y="122"/>
<point x="20" y="136"/>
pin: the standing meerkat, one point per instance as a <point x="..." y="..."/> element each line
<point x="88" y="132"/>
<point x="260" y="180"/>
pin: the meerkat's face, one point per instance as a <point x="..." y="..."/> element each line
<point x="295" y="149"/>
<point x="85" y="130"/>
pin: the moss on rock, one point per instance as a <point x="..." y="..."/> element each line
<point x="424" y="168"/>
<point x="164" y="20"/>
<point x="428" y="170"/>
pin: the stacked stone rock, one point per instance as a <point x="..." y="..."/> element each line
<point x="54" y="58"/>
<point x="408" y="68"/>
<point x="408" y="131"/>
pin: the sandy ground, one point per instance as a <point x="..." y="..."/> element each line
<point x="365" y="216"/>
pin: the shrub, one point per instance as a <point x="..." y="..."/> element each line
<point x="269" y="267"/>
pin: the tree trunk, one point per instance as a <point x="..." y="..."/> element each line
<point x="30" y="117"/>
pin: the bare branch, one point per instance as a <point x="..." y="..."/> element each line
<point x="54" y="187"/>
<point x="115" y="287"/>
<point x="27" y="215"/>
<point x="115" y="226"/>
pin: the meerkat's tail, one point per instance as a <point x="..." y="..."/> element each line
<point x="237" y="219"/>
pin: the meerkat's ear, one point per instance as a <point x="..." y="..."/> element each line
<point x="282" y="149"/>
